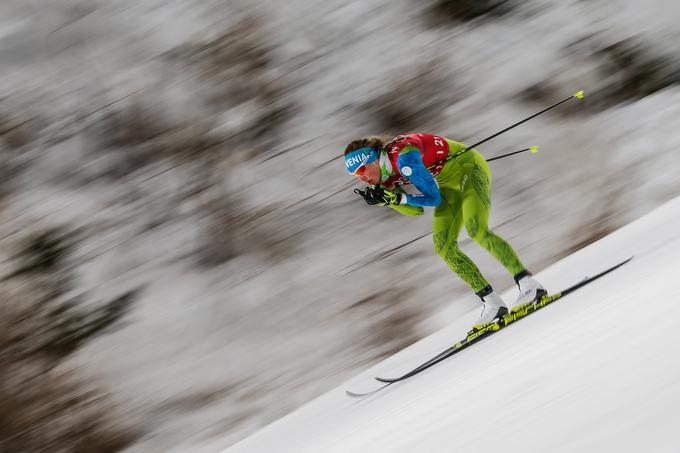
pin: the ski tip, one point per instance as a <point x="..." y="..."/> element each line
<point x="534" y="149"/>
<point x="353" y="394"/>
<point x="365" y="394"/>
<point x="579" y="94"/>
<point x="385" y="380"/>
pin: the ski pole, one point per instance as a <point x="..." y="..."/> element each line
<point x="533" y="149"/>
<point x="577" y="95"/>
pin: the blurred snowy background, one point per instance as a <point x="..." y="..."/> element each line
<point x="183" y="260"/>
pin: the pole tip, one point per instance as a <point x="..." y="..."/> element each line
<point x="534" y="149"/>
<point x="579" y="94"/>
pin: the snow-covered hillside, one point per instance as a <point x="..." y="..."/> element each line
<point x="596" y="371"/>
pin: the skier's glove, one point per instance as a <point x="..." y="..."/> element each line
<point x="376" y="195"/>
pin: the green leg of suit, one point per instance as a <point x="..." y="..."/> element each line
<point x="465" y="187"/>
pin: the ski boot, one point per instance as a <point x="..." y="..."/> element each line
<point x="494" y="308"/>
<point x="530" y="291"/>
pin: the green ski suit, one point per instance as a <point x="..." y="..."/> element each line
<point x="465" y="190"/>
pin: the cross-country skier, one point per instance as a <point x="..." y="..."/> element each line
<point x="460" y="191"/>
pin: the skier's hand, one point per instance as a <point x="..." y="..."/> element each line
<point x="376" y="195"/>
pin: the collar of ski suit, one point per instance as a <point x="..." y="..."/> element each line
<point x="386" y="169"/>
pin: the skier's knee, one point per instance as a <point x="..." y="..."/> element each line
<point x="441" y="243"/>
<point x="440" y="249"/>
<point x="481" y="236"/>
<point x="448" y="250"/>
<point x="476" y="231"/>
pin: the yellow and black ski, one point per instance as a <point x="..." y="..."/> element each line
<point x="488" y="329"/>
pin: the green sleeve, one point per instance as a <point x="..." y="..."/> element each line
<point x="407" y="209"/>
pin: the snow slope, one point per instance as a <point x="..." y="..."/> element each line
<point x="596" y="371"/>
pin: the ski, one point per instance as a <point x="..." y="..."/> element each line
<point x="489" y="329"/>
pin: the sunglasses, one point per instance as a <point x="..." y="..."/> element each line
<point x="360" y="171"/>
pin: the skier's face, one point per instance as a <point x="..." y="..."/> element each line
<point x="369" y="173"/>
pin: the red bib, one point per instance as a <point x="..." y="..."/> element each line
<point x="433" y="149"/>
